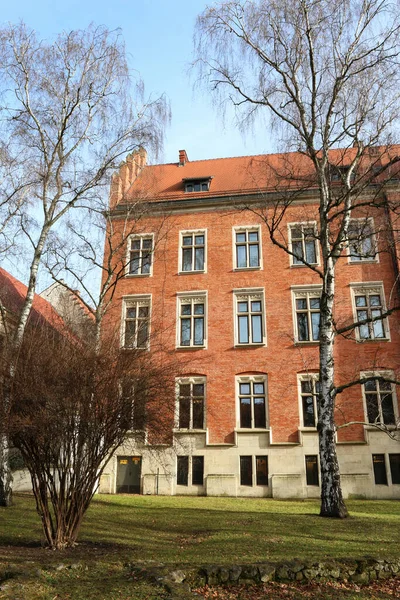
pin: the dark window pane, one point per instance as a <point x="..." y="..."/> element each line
<point x="258" y="388"/>
<point x="146" y="263"/>
<point x="198" y="389"/>
<point x="302" y="326"/>
<point x="244" y="388"/>
<point x="143" y="333"/>
<point x="370" y="385"/>
<point x="135" y="245"/>
<point x="184" y="413"/>
<point x="240" y="238"/>
<point x="254" y="255"/>
<point x="394" y="460"/>
<point x="262" y="470"/>
<point x="199" y="240"/>
<point x="242" y="307"/>
<point x="204" y="187"/>
<point x="301" y="304"/>
<point x="187" y="240"/>
<point x="198" y="414"/>
<point x="243" y="330"/>
<point x="197" y="187"/>
<point x="253" y="236"/>
<point x="199" y="309"/>
<point x="387" y="409"/>
<point x="199" y="259"/>
<point x="186" y="309"/>
<point x="143" y="311"/>
<point x="259" y="412"/>
<point x="246" y="470"/>
<point x="134" y="263"/>
<point x="245" y="412"/>
<point x="361" y="301"/>
<point x="185" y="332"/>
<point x="187" y="259"/>
<point x="310" y="252"/>
<point x="372" y="408"/>
<point x="147" y="243"/>
<point x="184" y="389"/>
<point x="312" y="477"/>
<point x="308" y="411"/>
<point x="199" y="331"/>
<point x="256" y="327"/>
<point x="378" y="461"/>
<point x="183" y="470"/>
<point x="315" y="303"/>
<point x="241" y="257"/>
<point x="197" y="470"/>
<point x="255" y="306"/>
<point x="315" y="319"/>
<point x="306" y="386"/>
<point x="297" y="249"/>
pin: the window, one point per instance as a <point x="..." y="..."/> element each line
<point x="394" y="461"/>
<point x="312" y="477"/>
<point x="190" y="467"/>
<point x="303" y="244"/>
<point x="307" y="304"/>
<point x="379" y="401"/>
<point x="136" y="323"/>
<point x="191" y="397"/>
<point x="197" y="185"/>
<point x="362" y="243"/>
<point x="182" y="470"/>
<point x="252" y="402"/>
<point x="140" y="254"/>
<point x="192" y="251"/>
<point x="191" y="320"/>
<point x="247" y="248"/>
<point x="197" y="470"/>
<point x="379" y="465"/>
<point x="247" y="471"/>
<point x="133" y="406"/>
<point x="249" y="310"/>
<point x="369" y="304"/>
<point x="309" y="390"/>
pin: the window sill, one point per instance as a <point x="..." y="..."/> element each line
<point x="204" y="347"/>
<point x="301" y="266"/>
<point x="370" y="261"/>
<point x="308" y="429"/>
<point x="371" y="340"/>
<point x="306" y="343"/>
<point x="251" y="429"/>
<point x="129" y="348"/>
<point x="129" y="275"/>
<point x="186" y="431"/>
<point x="201" y="272"/>
<point x="381" y="427"/>
<point x="255" y="345"/>
<point x="247" y="269"/>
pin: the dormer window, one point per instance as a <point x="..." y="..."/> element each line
<point x="197" y="184"/>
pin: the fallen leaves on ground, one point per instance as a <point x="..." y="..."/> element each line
<point x="378" y="590"/>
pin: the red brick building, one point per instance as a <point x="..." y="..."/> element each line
<point x="204" y="282"/>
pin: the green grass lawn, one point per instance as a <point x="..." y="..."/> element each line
<point x="191" y="530"/>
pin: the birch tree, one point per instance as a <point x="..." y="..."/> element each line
<point x="326" y="75"/>
<point x="69" y="111"/>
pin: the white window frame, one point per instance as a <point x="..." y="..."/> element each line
<point x="262" y="378"/>
<point x="370" y="288"/>
<point x="197" y="297"/>
<point x="192" y="232"/>
<point x="249" y="295"/>
<point x="303" y="225"/>
<point x="298" y="292"/>
<point x="128" y="302"/>
<point x="388" y="375"/>
<point x="190" y="381"/>
<point x="314" y="378"/>
<point x="367" y="221"/>
<point x="247" y="229"/>
<point x="131" y="238"/>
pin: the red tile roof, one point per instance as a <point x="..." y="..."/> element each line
<point x="238" y="175"/>
<point x="12" y="296"/>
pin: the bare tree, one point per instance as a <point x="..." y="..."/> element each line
<point x="72" y="406"/>
<point x="69" y="111"/>
<point x="327" y="75"/>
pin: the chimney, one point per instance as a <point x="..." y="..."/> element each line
<point x="122" y="180"/>
<point x="183" y="158"/>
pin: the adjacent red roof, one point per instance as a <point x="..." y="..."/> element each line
<point x="12" y="296"/>
<point x="240" y="175"/>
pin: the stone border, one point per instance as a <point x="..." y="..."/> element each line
<point x="183" y="579"/>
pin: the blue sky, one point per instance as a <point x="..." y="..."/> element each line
<point x="158" y="36"/>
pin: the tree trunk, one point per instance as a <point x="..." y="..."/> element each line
<point x="332" y="504"/>
<point x="5" y="472"/>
